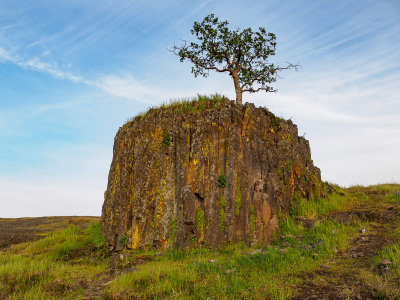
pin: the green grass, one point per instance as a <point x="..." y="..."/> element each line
<point x="393" y="197"/>
<point x="185" y="105"/>
<point x="392" y="253"/>
<point x="71" y="243"/>
<point x="51" y="267"/>
<point x="56" y="266"/>
<point x="319" y="206"/>
<point x="234" y="272"/>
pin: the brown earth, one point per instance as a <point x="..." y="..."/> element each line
<point x="19" y="230"/>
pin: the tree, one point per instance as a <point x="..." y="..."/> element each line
<point x="242" y="54"/>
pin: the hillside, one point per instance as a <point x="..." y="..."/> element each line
<point x="346" y="246"/>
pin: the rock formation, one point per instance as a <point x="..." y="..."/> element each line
<point x="204" y="174"/>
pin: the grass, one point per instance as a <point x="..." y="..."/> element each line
<point x="319" y="207"/>
<point x="392" y="253"/>
<point x="51" y="268"/>
<point x="61" y="265"/>
<point x="72" y="243"/>
<point x="186" y="105"/>
<point x="237" y="271"/>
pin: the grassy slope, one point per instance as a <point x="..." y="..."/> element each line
<point x="54" y="266"/>
<point x="68" y="263"/>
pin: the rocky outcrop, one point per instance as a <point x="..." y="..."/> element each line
<point x="212" y="174"/>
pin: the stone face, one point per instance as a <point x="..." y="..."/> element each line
<point x="215" y="176"/>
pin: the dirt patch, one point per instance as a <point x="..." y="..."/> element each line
<point x="354" y="273"/>
<point x="20" y="230"/>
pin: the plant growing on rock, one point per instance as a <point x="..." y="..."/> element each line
<point x="243" y="54"/>
<point x="222" y="180"/>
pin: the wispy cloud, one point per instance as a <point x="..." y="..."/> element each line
<point x="128" y="87"/>
<point x="125" y="86"/>
<point x="109" y="60"/>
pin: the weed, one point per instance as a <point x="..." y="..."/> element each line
<point x="173" y="230"/>
<point x="222" y="180"/>
<point x="252" y="218"/>
<point x="123" y="240"/>
<point x="222" y="204"/>
<point x="391" y="253"/>
<point x="238" y="197"/>
<point x="276" y="123"/>
<point x="199" y="222"/>
<point x="318" y="206"/>
<point x="166" y="139"/>
<point x="394" y="197"/>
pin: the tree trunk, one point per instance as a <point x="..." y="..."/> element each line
<point x="238" y="89"/>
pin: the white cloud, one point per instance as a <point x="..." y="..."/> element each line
<point x="125" y="86"/>
<point x="44" y="198"/>
<point x="128" y="87"/>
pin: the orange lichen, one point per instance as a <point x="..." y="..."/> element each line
<point x="297" y="170"/>
<point x="292" y="182"/>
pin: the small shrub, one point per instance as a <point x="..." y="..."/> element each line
<point x="123" y="240"/>
<point x="166" y="139"/>
<point x="222" y="181"/>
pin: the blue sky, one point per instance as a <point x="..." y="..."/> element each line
<point x="71" y="73"/>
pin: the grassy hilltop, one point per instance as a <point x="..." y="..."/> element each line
<point x="347" y="245"/>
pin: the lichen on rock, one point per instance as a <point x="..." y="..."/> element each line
<point x="204" y="174"/>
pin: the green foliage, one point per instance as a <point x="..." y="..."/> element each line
<point x="123" y="240"/>
<point x="276" y="123"/>
<point x="292" y="208"/>
<point x="306" y="178"/>
<point x="166" y="139"/>
<point x="222" y="180"/>
<point x="252" y="218"/>
<point x="394" y="197"/>
<point x="222" y="214"/>
<point x="199" y="222"/>
<point x="242" y="54"/>
<point x="238" y="197"/>
<point x="391" y="253"/>
<point x="319" y="206"/>
<point x="173" y="230"/>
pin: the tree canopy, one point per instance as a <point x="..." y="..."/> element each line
<point x="243" y="54"/>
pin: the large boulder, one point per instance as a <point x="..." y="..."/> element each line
<point x="209" y="174"/>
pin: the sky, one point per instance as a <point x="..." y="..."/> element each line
<point x="72" y="72"/>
